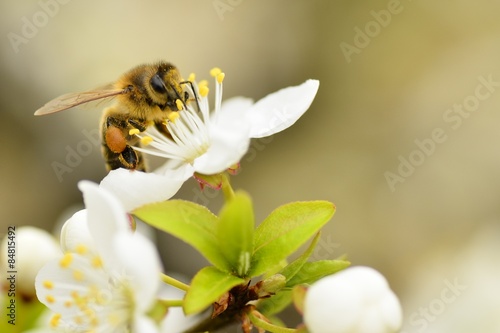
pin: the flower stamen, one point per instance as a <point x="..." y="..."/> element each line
<point x="220" y="77"/>
<point x="179" y="104"/>
<point x="134" y="131"/>
<point x="173" y="116"/>
<point x="215" y="71"/>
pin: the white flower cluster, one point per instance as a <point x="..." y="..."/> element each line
<point x="355" y="300"/>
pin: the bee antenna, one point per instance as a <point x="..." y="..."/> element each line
<point x="194" y="93"/>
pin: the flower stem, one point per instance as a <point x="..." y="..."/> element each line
<point x="174" y="282"/>
<point x="226" y="187"/>
<point x="170" y="303"/>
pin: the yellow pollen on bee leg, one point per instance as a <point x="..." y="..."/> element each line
<point x="66" y="260"/>
<point x="191" y="77"/>
<point x="146" y="140"/>
<point x="215" y="71"/>
<point x="54" y="321"/>
<point x="220" y="77"/>
<point x="179" y="104"/>
<point x="134" y="131"/>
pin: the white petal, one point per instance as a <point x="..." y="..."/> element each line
<point x="63" y="282"/>
<point x="136" y="188"/>
<point x="106" y="216"/>
<point x="175" y="169"/>
<point x="281" y="109"/>
<point x="236" y="105"/>
<point x="75" y="232"/>
<point x="229" y="143"/>
<point x="143" y="324"/>
<point x="357" y="299"/>
<point x="140" y="261"/>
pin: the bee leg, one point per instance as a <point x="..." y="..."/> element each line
<point x="163" y="129"/>
<point x="117" y="144"/>
<point x="136" y="123"/>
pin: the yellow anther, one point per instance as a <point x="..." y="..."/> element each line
<point x="78" y="275"/>
<point x="179" y="104"/>
<point x="191" y="77"/>
<point x="215" y="71"/>
<point x="54" y="321"/>
<point x="203" y="83"/>
<point x="90" y="313"/>
<point x="96" y="262"/>
<point x="220" y="77"/>
<point x="68" y="304"/>
<point x="173" y="116"/>
<point x="50" y="299"/>
<point x="134" y="131"/>
<point x="48" y="284"/>
<point x="146" y="140"/>
<point x="203" y="91"/>
<point x="94" y="322"/>
<point x="101" y="299"/>
<point x="74" y="294"/>
<point x="66" y="260"/>
<point x="113" y="319"/>
<point x="81" y="249"/>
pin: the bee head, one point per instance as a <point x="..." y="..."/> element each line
<point x="164" y="86"/>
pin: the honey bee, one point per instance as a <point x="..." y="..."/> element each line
<point x="144" y="96"/>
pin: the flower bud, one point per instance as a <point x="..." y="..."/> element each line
<point x="357" y="299"/>
<point x="25" y="252"/>
<point x="272" y="285"/>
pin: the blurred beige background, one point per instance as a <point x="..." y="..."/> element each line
<point x="392" y="73"/>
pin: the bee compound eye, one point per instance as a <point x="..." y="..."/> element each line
<point x="157" y="84"/>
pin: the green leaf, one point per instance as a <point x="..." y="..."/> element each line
<point x="292" y="269"/>
<point x="275" y="269"/>
<point x="313" y="271"/>
<point x="207" y="286"/>
<point x="285" y="230"/>
<point x="276" y="303"/>
<point x="235" y="232"/>
<point x="190" y="222"/>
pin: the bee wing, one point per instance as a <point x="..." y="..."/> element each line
<point x="70" y="100"/>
